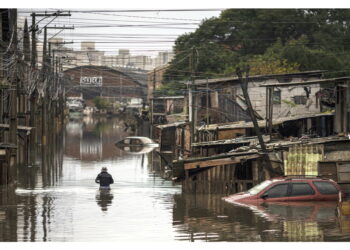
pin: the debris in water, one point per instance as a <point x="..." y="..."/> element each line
<point x="271" y="231"/>
<point x="222" y="216"/>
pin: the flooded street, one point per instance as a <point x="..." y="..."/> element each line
<point x="142" y="206"/>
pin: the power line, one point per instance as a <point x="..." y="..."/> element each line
<point x="121" y="20"/>
<point x="122" y="10"/>
<point x="133" y="26"/>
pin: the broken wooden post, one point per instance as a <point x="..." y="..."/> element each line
<point x="192" y="99"/>
<point x="269" y="110"/>
<point x="244" y="86"/>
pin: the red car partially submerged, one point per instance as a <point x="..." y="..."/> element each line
<point x="289" y="189"/>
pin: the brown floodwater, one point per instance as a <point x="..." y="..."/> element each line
<point x="142" y="206"/>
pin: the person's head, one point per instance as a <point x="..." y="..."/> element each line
<point x="104" y="169"/>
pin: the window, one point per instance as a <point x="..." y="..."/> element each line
<point x="284" y="79"/>
<point x="204" y="99"/>
<point x="127" y="141"/>
<point x="277" y="191"/>
<point x="256" y="189"/>
<point x="325" y="187"/>
<point x="300" y="99"/>
<point x="277" y="97"/>
<point x="135" y="142"/>
<point x="299" y="189"/>
<point x="178" y="106"/>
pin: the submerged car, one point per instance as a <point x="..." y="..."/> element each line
<point x="137" y="144"/>
<point x="289" y="189"/>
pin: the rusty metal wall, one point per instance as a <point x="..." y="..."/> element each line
<point x="303" y="160"/>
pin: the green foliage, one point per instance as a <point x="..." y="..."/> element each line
<point x="310" y="58"/>
<point x="270" y="62"/>
<point x="269" y="40"/>
<point x="101" y="103"/>
<point x="170" y="89"/>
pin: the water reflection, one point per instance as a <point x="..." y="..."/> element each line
<point x="8" y="215"/>
<point x="104" y="199"/>
<point x="198" y="217"/>
<point x="63" y="204"/>
<point x="137" y="150"/>
<point x="68" y="208"/>
<point x="92" y="139"/>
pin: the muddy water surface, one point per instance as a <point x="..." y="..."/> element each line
<point x="141" y="205"/>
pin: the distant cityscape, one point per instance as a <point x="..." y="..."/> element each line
<point x="88" y="55"/>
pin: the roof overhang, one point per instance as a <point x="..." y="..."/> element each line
<point x="167" y="97"/>
<point x="235" y="79"/>
<point x="176" y="124"/>
<point x="261" y="123"/>
<point x="339" y="80"/>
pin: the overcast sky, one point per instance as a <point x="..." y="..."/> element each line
<point x="142" y="32"/>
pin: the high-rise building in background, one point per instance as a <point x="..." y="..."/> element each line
<point x="87" y="46"/>
<point x="163" y="58"/>
<point x="88" y="55"/>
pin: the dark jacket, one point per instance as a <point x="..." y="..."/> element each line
<point x="104" y="179"/>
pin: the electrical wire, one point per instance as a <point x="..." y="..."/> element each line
<point x="144" y="41"/>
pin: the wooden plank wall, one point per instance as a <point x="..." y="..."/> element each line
<point x="231" y="133"/>
<point x="217" y="180"/>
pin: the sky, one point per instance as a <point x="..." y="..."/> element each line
<point x="143" y="32"/>
<point x="133" y="25"/>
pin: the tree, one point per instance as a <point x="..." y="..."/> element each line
<point x="270" y="40"/>
<point x="100" y="103"/>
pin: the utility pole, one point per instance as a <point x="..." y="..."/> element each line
<point x="12" y="173"/>
<point x="192" y="99"/>
<point x="244" y="85"/>
<point x="154" y="81"/>
<point x="26" y="42"/>
<point x="52" y="51"/>
<point x="48" y="61"/>
<point x="33" y="30"/>
<point x="33" y="105"/>
<point x="23" y="99"/>
<point x="44" y="101"/>
<point x="207" y="102"/>
<point x="34" y="96"/>
<point x="44" y="60"/>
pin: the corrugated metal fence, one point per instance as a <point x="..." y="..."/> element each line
<point x="303" y="160"/>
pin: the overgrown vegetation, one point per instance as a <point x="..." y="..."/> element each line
<point x="269" y="40"/>
<point x="101" y="103"/>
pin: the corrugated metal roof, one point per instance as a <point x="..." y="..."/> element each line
<point x="175" y="124"/>
<point x="168" y="97"/>
<point x="261" y="123"/>
<point x="235" y="78"/>
<point x="19" y="127"/>
<point x="287" y="84"/>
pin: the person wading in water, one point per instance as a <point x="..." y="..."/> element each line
<point x="104" y="179"/>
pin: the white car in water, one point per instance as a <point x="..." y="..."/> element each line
<point x="137" y="144"/>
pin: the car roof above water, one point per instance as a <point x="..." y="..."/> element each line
<point x="143" y="139"/>
<point x="299" y="179"/>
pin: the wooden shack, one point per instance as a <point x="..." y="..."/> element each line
<point x="221" y="100"/>
<point x="168" y="109"/>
